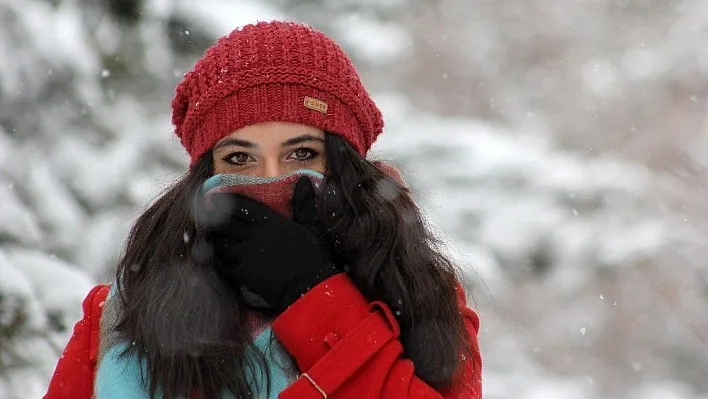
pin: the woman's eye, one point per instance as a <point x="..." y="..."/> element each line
<point x="238" y="158"/>
<point x="304" y="154"/>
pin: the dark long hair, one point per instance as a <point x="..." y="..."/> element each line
<point x="381" y="235"/>
<point x="189" y="326"/>
<point x="183" y="320"/>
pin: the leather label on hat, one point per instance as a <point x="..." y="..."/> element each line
<point x="315" y="104"/>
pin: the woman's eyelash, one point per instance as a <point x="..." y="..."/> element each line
<point x="230" y="157"/>
<point x="312" y="154"/>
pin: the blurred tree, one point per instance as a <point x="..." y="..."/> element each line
<point x="186" y="37"/>
<point x="126" y="11"/>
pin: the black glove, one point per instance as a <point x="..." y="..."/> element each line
<point x="272" y="256"/>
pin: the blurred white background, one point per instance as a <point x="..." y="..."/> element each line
<point x="559" y="147"/>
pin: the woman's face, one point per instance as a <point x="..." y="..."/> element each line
<point x="270" y="149"/>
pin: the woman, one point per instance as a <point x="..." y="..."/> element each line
<point x="344" y="295"/>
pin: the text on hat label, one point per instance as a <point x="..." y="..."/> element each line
<point x="315" y="104"/>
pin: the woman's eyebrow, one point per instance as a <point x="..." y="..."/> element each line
<point x="301" y="139"/>
<point x="234" y="141"/>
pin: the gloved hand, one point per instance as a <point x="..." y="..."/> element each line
<point x="274" y="257"/>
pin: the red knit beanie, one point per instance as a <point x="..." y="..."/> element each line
<point x="273" y="72"/>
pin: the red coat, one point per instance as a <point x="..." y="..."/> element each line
<point x="348" y="347"/>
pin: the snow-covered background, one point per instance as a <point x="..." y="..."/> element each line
<point x="560" y="147"/>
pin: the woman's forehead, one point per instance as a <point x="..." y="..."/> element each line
<point x="274" y="132"/>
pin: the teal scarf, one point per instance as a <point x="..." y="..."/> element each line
<point x="122" y="377"/>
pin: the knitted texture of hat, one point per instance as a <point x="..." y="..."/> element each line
<point x="270" y="72"/>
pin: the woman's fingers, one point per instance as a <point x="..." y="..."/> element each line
<point x="304" y="202"/>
